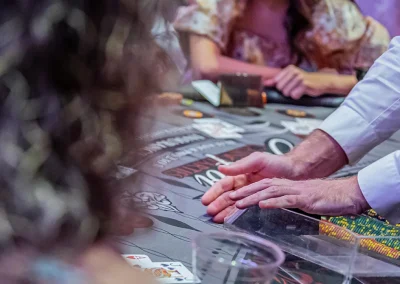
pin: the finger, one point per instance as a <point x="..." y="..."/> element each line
<point x="271" y="192"/>
<point x="298" y="92"/>
<point x="271" y="184"/>
<point x="288" y="75"/>
<point x="220" y="217"/>
<point x="295" y="83"/>
<point x="250" y="164"/>
<point x="225" y="184"/>
<point x="284" y="72"/>
<point x="269" y="82"/>
<point x="250" y="189"/>
<point x="312" y="92"/>
<point x="287" y="201"/>
<point x="220" y="204"/>
<point x="281" y="84"/>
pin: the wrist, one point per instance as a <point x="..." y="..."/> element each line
<point x="316" y="157"/>
<point x="360" y="202"/>
<point x="299" y="168"/>
<point x="341" y="84"/>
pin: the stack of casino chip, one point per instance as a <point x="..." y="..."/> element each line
<point x="365" y="226"/>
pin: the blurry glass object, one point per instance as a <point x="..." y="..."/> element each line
<point x="333" y="252"/>
<point x="235" y="258"/>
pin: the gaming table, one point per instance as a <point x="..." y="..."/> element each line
<point x="176" y="164"/>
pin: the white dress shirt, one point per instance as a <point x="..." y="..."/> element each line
<point x="370" y="115"/>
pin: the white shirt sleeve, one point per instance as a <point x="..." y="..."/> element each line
<point x="371" y="112"/>
<point x="380" y="185"/>
<point x="370" y="115"/>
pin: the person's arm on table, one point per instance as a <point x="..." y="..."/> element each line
<point x="361" y="123"/>
<point x="318" y="156"/>
<point x="294" y="82"/>
<point x="208" y="62"/>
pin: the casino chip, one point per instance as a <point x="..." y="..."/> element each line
<point x="186" y="102"/>
<point x="193" y="113"/>
<point x="295" y="113"/>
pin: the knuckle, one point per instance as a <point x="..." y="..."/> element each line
<point x="274" y="190"/>
<point x="256" y="154"/>
<point x="275" y="180"/>
<point x="291" y="200"/>
<point x="260" y="195"/>
<point x="266" y="182"/>
<point x="226" y="199"/>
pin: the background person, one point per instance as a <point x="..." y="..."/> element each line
<point x="278" y="39"/>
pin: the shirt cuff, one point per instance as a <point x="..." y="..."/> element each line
<point x="351" y="132"/>
<point x="380" y="185"/>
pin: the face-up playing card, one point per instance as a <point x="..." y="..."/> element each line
<point x="218" y="129"/>
<point x="297" y="128"/>
<point x="138" y="260"/>
<point x="124" y="172"/>
<point x="228" y="126"/>
<point x="171" y="272"/>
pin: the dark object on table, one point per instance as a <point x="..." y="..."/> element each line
<point x="240" y="111"/>
<point x="241" y="90"/>
<point x="274" y="96"/>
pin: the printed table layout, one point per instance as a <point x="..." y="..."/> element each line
<point x="178" y="161"/>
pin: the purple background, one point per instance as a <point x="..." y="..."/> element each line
<point x="386" y="12"/>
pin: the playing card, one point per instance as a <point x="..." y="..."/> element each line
<point x="218" y="129"/>
<point x="217" y="132"/>
<point x="124" y="172"/>
<point x="208" y="90"/>
<point x="297" y="128"/>
<point x="228" y="126"/>
<point x="138" y="260"/>
<point x="171" y="272"/>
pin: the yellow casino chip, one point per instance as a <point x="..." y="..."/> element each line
<point x="193" y="114"/>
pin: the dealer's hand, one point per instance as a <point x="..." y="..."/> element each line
<point x="294" y="82"/>
<point x="253" y="168"/>
<point x="324" y="197"/>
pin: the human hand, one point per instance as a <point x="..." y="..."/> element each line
<point x="104" y="265"/>
<point x="294" y="82"/>
<point x="242" y="173"/>
<point x="323" y="197"/>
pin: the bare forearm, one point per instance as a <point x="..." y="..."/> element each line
<point x="209" y="63"/>
<point x="318" y="156"/>
<point x="340" y="84"/>
<point x="223" y="65"/>
<point x="229" y="65"/>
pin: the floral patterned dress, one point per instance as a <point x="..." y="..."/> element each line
<point x="340" y="38"/>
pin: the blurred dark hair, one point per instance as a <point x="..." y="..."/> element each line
<point x="73" y="77"/>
